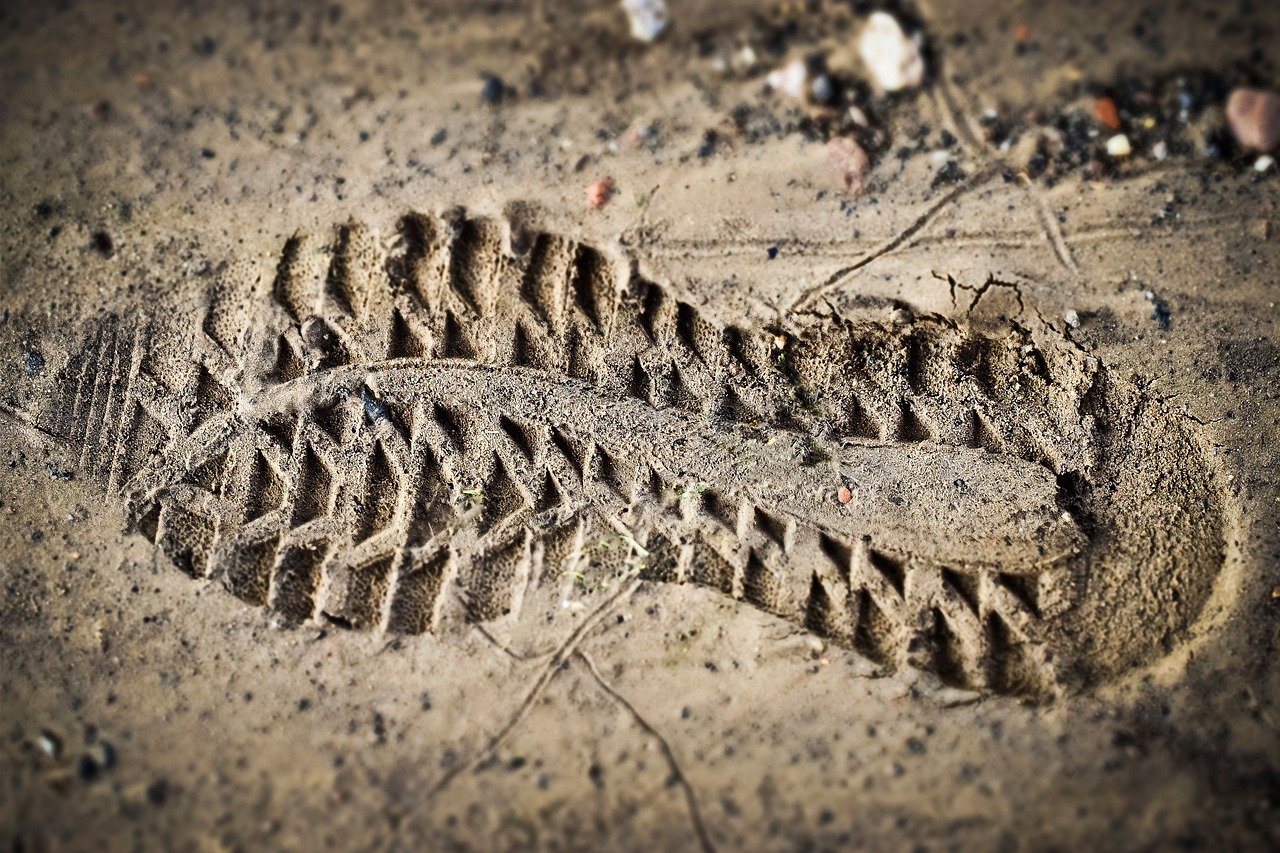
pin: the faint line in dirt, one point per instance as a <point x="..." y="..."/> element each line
<point x="522" y="657"/>
<point x="840" y="276"/>
<point x="695" y="815"/>
<point x="947" y="100"/>
<point x="29" y="431"/>
<point x="1053" y="233"/>
<point x="539" y="685"/>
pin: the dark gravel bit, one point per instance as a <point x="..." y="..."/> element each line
<point x="158" y="792"/>
<point x="56" y="473"/>
<point x="101" y="242"/>
<point x="1161" y="314"/>
<point x="950" y="173"/>
<point x="708" y="147"/>
<point x="493" y="90"/>
<point x="87" y="770"/>
<point x="34" y="362"/>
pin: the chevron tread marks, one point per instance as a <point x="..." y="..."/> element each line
<point x="407" y="432"/>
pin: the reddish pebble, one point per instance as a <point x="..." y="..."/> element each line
<point x="851" y="163"/>
<point x="599" y="193"/>
<point x="1021" y="33"/>
<point x="1254" y="116"/>
<point x="1105" y="110"/>
<point x="844" y="495"/>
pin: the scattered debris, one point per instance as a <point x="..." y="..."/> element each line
<point x="50" y="744"/>
<point x="822" y="90"/>
<point x="891" y="56"/>
<point x="790" y="79"/>
<point x="901" y="317"/>
<point x="1254" y="118"/>
<point x="1105" y="109"/>
<point x="56" y="472"/>
<point x="101" y="242"/>
<point x="87" y="769"/>
<point x="851" y="163"/>
<point x="599" y="193"/>
<point x="158" y="792"/>
<point x="1118" y="146"/>
<point x="1159" y="311"/>
<point x="648" y="18"/>
<point x="492" y="90"/>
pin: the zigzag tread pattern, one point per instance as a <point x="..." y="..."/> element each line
<point x="443" y="428"/>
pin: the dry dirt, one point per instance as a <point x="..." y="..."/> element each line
<point x="364" y="487"/>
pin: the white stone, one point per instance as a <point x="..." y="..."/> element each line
<point x="790" y="79"/>
<point x="1072" y="319"/>
<point x="892" y="58"/>
<point x="648" y="18"/>
<point x="1263" y="163"/>
<point x="1118" y="146"/>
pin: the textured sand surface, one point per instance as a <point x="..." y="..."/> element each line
<point x="365" y="487"/>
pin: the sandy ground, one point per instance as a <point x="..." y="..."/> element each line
<point x="157" y="160"/>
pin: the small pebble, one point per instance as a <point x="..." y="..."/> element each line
<point x="1254" y="118"/>
<point x="900" y="317"/>
<point x="822" y="91"/>
<point x="790" y="79"/>
<point x="892" y="58"/>
<point x="50" y="744"/>
<point x="87" y="770"/>
<point x="158" y="792"/>
<point x="1160" y="150"/>
<point x="599" y="193"/>
<point x="844" y="495"/>
<point x="1105" y="110"/>
<point x="492" y="89"/>
<point x="102" y="243"/>
<point x="648" y="18"/>
<point x="1118" y="146"/>
<point x="1072" y="319"/>
<point x="851" y="164"/>
<point x="1264" y="163"/>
